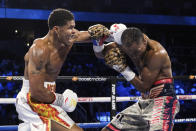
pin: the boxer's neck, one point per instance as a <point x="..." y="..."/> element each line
<point x="54" y="41"/>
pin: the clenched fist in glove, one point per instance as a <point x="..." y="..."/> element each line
<point x="98" y="31"/>
<point x="115" y="58"/>
<point x="116" y="32"/>
<point x="98" y="34"/>
<point x="68" y="100"/>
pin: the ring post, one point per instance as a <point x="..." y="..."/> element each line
<point x="113" y="97"/>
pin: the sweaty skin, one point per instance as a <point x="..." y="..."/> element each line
<point x="152" y="66"/>
<point x="46" y="56"/>
<point x="150" y="59"/>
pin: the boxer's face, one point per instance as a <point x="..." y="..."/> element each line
<point x="136" y="48"/>
<point x="66" y="33"/>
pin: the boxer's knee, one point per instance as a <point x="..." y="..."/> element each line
<point x="104" y="129"/>
<point x="76" y="128"/>
<point x="57" y="127"/>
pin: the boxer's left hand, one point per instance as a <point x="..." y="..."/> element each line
<point x="116" y="59"/>
<point x="98" y="31"/>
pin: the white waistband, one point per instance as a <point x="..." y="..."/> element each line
<point x="25" y="85"/>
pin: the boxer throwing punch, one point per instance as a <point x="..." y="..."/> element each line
<point x="156" y="109"/>
<point x="37" y="104"/>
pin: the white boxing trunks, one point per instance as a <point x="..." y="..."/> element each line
<point x="38" y="116"/>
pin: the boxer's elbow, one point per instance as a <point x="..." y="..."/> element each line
<point x="36" y="94"/>
<point x="145" y="88"/>
<point x="141" y="86"/>
<point x="138" y="84"/>
<point x="142" y="89"/>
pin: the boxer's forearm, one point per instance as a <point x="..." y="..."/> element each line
<point x="139" y="84"/>
<point x="42" y="95"/>
<point x="83" y="37"/>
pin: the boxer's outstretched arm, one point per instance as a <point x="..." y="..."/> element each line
<point x="38" y="57"/>
<point x="81" y="37"/>
<point x="150" y="72"/>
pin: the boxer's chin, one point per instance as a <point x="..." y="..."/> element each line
<point x="71" y="39"/>
<point x="68" y="43"/>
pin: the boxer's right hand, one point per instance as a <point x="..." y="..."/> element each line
<point x="116" y="59"/>
<point x="70" y="100"/>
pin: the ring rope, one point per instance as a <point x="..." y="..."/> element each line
<point x="95" y="99"/>
<point x="97" y="124"/>
<point x="90" y="78"/>
<point x="102" y="99"/>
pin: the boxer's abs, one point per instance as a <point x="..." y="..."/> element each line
<point x="49" y="76"/>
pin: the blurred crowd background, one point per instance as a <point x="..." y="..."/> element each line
<point x="17" y="36"/>
<point x="174" y="7"/>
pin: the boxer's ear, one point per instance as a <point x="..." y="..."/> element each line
<point x="55" y="29"/>
<point x="145" y="41"/>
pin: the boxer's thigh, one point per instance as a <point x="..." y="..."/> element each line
<point x="55" y="126"/>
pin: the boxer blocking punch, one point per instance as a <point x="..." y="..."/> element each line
<point x="37" y="104"/>
<point x="156" y="109"/>
<point x="108" y="36"/>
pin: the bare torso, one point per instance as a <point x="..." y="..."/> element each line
<point x="56" y="58"/>
<point x="153" y="66"/>
<point x="45" y="58"/>
<point x="154" y="47"/>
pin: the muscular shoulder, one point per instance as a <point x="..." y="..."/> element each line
<point x="156" y="55"/>
<point x="39" y="51"/>
<point x="156" y="48"/>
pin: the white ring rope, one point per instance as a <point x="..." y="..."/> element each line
<point x="102" y="99"/>
<point x="97" y="124"/>
<point x="90" y="78"/>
